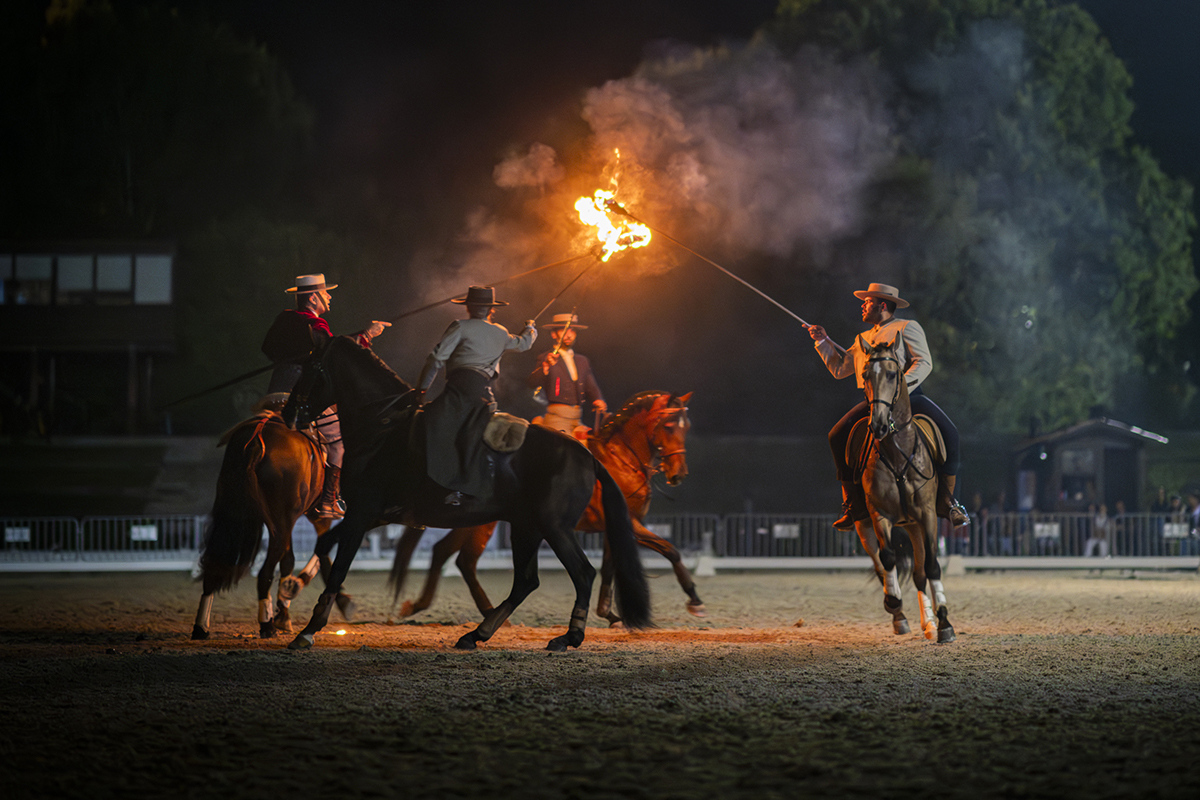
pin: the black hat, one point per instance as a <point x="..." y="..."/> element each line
<point x="480" y="296"/>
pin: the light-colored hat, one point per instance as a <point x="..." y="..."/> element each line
<point x="883" y="292"/>
<point x="305" y="284"/>
<point x="561" y="320"/>
<point x="480" y="296"/>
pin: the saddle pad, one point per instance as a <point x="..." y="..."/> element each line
<point x="505" y="433"/>
<point x="933" y="438"/>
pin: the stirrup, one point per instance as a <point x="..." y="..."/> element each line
<point x="333" y="510"/>
<point x="455" y="498"/>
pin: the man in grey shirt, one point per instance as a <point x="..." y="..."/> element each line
<point x="470" y="351"/>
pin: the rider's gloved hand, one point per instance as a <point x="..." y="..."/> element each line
<point x="817" y="333"/>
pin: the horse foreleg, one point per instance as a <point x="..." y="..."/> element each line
<point x="883" y="559"/>
<point x="345" y="602"/>
<point x="933" y="602"/>
<point x="525" y="580"/>
<point x="292" y="585"/>
<point x="350" y="534"/>
<point x="646" y="538"/>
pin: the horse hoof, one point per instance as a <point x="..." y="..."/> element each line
<point x="198" y="634"/>
<point x="266" y="630"/>
<point x="900" y="626"/>
<point x="406" y="609"/>
<point x="557" y="644"/>
<point x="345" y="604"/>
<point x="946" y="635"/>
<point x="616" y="624"/>
<point x="466" y="642"/>
<point x="302" y="642"/>
<point x="283" y="625"/>
<point x="697" y="610"/>
<point x="289" y="587"/>
<point x="931" y="633"/>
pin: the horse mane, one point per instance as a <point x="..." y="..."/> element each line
<point x="635" y="405"/>
<point x="350" y="351"/>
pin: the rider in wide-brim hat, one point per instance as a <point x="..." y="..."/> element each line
<point x="470" y="352"/>
<point x="880" y="302"/>
<point x="565" y="380"/>
<point x="292" y="336"/>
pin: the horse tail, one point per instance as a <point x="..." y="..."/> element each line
<point x="233" y="535"/>
<point x="632" y="591"/>
<point x="404" y="552"/>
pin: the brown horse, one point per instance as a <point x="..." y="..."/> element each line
<point x="270" y="475"/>
<point x="645" y="437"/>
<point x="901" y="485"/>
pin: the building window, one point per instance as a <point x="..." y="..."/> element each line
<point x="114" y="280"/>
<point x="75" y="279"/>
<point x="31" y="280"/>
<point x="152" y="280"/>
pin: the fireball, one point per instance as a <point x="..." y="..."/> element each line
<point x="614" y="234"/>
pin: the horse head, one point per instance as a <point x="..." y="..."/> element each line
<point x="884" y="386"/>
<point x="670" y="435"/>
<point x="313" y="392"/>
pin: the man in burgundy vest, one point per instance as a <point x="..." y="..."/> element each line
<point x="293" y="335"/>
<point x="565" y="378"/>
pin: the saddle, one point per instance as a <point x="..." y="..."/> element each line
<point x="859" y="443"/>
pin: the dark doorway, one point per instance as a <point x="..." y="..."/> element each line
<point x="1120" y="477"/>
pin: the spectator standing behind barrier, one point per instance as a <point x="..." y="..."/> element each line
<point x="1193" y="521"/>
<point x="1101" y="527"/>
<point x="1120" y="530"/>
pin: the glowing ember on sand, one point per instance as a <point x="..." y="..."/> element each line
<point x="614" y="235"/>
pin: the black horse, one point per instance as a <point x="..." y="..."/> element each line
<point x="541" y="490"/>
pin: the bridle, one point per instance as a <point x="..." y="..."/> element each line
<point x="889" y="404"/>
<point x="658" y="456"/>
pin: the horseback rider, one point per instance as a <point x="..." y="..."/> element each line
<point x="565" y="378"/>
<point x="880" y="302"/>
<point x="470" y="351"/>
<point x="293" y="335"/>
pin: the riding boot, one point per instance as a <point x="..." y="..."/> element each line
<point x="854" y="506"/>
<point x="330" y="504"/>
<point x="947" y="506"/>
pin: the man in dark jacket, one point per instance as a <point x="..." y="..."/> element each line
<point x="565" y="378"/>
<point x="293" y="335"/>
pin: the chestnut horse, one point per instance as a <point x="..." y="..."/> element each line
<point x="647" y="436"/>
<point x="900" y="481"/>
<point x="540" y="489"/>
<point x="270" y="475"/>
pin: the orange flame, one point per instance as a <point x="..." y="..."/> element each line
<point x="614" y="234"/>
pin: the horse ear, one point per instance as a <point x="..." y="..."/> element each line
<point x="660" y="402"/>
<point x="684" y="398"/>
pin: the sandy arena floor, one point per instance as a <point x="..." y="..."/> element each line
<point x="1060" y="685"/>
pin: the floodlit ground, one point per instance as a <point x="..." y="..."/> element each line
<point x="1064" y="684"/>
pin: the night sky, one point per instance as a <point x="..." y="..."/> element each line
<point x="417" y="103"/>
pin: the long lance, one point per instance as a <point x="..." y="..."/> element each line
<point x="245" y="376"/>
<point x="443" y="301"/>
<point x="619" y="209"/>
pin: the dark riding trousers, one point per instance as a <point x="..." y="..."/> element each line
<point x="839" y="435"/>
<point x="459" y="415"/>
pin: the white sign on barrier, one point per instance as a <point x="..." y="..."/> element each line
<point x="660" y="529"/>
<point x="17" y="535"/>
<point x="1047" y="530"/>
<point x="143" y="533"/>
<point x="1175" y="530"/>
<point x="785" y="531"/>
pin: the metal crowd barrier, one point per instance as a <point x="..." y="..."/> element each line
<point x="735" y="540"/>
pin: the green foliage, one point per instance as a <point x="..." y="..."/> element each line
<point x="140" y="123"/>
<point x="1049" y="259"/>
<point x="232" y="278"/>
